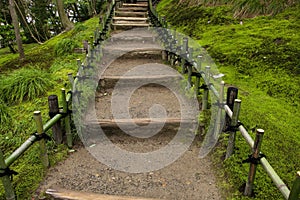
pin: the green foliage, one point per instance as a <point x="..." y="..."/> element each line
<point x="245" y="8"/>
<point x="25" y="84"/>
<point x="260" y="57"/>
<point x="6" y="32"/>
<point x="65" y="46"/>
<point x="5" y="116"/>
<point x="80" y="27"/>
<point x="40" y="70"/>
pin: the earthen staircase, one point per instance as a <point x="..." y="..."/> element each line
<point x="130" y="15"/>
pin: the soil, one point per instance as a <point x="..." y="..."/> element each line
<point x="189" y="177"/>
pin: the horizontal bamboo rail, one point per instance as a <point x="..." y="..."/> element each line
<point x="168" y="37"/>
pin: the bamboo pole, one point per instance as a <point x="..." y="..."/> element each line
<point x="295" y="192"/>
<point x="219" y="114"/>
<point x="205" y="93"/>
<point x="67" y="119"/>
<point x="232" y="94"/>
<point x="185" y="46"/>
<point x="43" y="149"/>
<point x="19" y="151"/>
<point x="282" y="187"/>
<point x="9" y="190"/>
<point x="255" y="155"/>
<point x="199" y="63"/>
<point x="233" y="124"/>
<point x="53" y="110"/>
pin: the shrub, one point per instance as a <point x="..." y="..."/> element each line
<point x="24" y="84"/>
<point x="65" y="46"/>
<point x="5" y="116"/>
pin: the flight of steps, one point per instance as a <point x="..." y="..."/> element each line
<point x="125" y="51"/>
<point x="131" y="15"/>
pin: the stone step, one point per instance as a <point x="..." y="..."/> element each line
<point x="131" y="18"/>
<point x="133" y="9"/>
<point x="130" y="14"/>
<point x="125" y="26"/>
<point x="129" y="22"/>
<point x="139" y="121"/>
<point x="109" y="81"/>
<point x="135" y="5"/>
<point x="73" y="195"/>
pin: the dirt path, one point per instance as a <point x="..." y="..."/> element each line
<point x="189" y="177"/>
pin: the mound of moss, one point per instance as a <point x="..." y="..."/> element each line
<point x="260" y="56"/>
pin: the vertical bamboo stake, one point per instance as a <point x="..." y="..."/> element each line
<point x="232" y="94"/>
<point x="205" y="93"/>
<point x="234" y="123"/>
<point x="295" y="192"/>
<point x="255" y="154"/>
<point x="190" y="70"/>
<point x="71" y="79"/>
<point x="197" y="84"/>
<point x="185" y="46"/>
<point x="78" y="63"/>
<point x="40" y="130"/>
<point x="67" y="119"/>
<point x="199" y="63"/>
<point x="9" y="190"/>
<point x="220" y="107"/>
<point x="189" y="67"/>
<point x="53" y="110"/>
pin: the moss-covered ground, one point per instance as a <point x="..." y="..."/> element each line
<point x="22" y="94"/>
<point x="260" y="56"/>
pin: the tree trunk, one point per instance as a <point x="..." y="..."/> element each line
<point x="67" y="24"/>
<point x="15" y="23"/>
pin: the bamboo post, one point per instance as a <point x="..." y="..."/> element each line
<point x="197" y="85"/>
<point x="232" y="94"/>
<point x="189" y="67"/>
<point x="190" y="70"/>
<point x="220" y="107"/>
<point x="53" y="110"/>
<point x="40" y="130"/>
<point x="67" y="119"/>
<point x="199" y="62"/>
<point x="71" y="79"/>
<point x="295" y="192"/>
<point x="164" y="55"/>
<point x="255" y="155"/>
<point x="233" y="124"/>
<point x="198" y="67"/>
<point x="9" y="190"/>
<point x="184" y="52"/>
<point x="205" y="93"/>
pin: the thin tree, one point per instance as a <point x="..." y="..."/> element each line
<point x="15" y="23"/>
<point x="67" y="24"/>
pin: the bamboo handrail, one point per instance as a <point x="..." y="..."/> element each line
<point x="282" y="187"/>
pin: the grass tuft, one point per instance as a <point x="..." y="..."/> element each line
<point x="65" y="46"/>
<point x="5" y="116"/>
<point x="25" y="84"/>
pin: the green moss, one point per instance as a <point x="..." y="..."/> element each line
<point x="42" y="64"/>
<point x="261" y="57"/>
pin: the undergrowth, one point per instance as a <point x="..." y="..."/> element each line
<point x="24" y="87"/>
<point x="25" y="84"/>
<point x="260" y="56"/>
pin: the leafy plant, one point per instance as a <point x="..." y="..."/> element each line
<point x="5" y="116"/>
<point x="25" y="84"/>
<point x="65" y="46"/>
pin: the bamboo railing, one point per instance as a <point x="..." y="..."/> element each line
<point x="191" y="65"/>
<point x="40" y="135"/>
